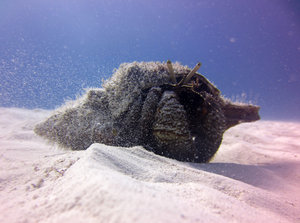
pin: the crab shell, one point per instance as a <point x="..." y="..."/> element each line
<point x="155" y="105"/>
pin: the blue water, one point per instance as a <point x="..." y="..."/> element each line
<point x="50" y="50"/>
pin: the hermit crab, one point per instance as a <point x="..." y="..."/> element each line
<point x="167" y="108"/>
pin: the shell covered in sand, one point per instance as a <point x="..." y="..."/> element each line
<point x="168" y="109"/>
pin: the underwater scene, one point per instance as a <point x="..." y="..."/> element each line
<point x="149" y="111"/>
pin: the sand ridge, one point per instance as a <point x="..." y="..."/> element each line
<point x="254" y="177"/>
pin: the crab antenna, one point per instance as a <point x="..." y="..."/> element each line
<point x="170" y="67"/>
<point x="191" y="74"/>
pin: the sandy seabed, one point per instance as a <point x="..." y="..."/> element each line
<point x="255" y="177"/>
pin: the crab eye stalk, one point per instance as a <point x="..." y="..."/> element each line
<point x="192" y="73"/>
<point x="171" y="71"/>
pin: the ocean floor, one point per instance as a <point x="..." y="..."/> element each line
<point x="255" y="177"/>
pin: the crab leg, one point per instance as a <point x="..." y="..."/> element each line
<point x="192" y="73"/>
<point x="170" y="67"/>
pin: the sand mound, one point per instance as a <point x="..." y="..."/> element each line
<point x="253" y="178"/>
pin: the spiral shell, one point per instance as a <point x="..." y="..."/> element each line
<point x="167" y="108"/>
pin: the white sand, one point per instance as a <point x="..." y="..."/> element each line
<point x="255" y="177"/>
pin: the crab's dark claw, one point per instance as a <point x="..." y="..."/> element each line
<point x="239" y="113"/>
